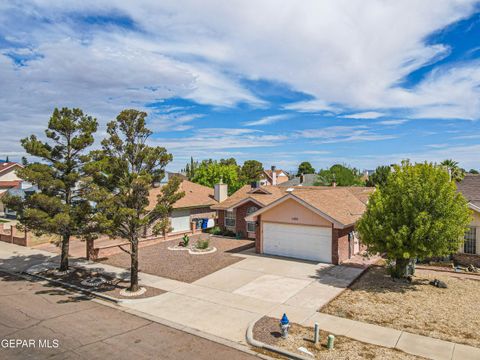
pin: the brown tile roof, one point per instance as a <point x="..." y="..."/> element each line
<point x="470" y="188"/>
<point x="196" y="195"/>
<point x="7" y="166"/>
<point x="10" y="184"/>
<point x="245" y="192"/>
<point x="344" y="204"/>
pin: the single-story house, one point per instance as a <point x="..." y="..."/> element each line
<point x="470" y="188"/>
<point x="310" y="223"/>
<point x="194" y="205"/>
<point x="273" y="177"/>
<point x="11" y="183"/>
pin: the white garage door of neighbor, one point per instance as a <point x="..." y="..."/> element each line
<point x="180" y="220"/>
<point x="298" y="241"/>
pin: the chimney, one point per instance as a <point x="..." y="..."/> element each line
<point x="220" y="192"/>
<point x="274" y="175"/>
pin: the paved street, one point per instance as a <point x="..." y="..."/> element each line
<point x="89" y="330"/>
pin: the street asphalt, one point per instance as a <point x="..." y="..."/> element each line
<point x="41" y="321"/>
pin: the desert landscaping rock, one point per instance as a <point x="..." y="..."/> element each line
<point x="181" y="265"/>
<point x="128" y="293"/>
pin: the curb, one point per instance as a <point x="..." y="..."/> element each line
<point x="261" y="345"/>
<point x="116" y="304"/>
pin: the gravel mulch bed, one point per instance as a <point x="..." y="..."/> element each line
<point x="267" y="331"/>
<point x="449" y="314"/>
<point x="180" y="265"/>
<point x="112" y="288"/>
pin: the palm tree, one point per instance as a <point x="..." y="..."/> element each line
<point x="456" y="172"/>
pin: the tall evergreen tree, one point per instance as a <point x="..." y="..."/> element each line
<point x="122" y="174"/>
<point x="59" y="207"/>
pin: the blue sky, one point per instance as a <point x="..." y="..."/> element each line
<point x="363" y="83"/>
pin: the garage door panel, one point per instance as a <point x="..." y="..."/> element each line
<point x="298" y="241"/>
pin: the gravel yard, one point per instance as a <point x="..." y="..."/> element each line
<point x="449" y="314"/>
<point x="180" y="265"/>
<point x="267" y="331"/>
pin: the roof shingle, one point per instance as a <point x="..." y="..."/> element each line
<point x="196" y="195"/>
<point x="470" y="188"/>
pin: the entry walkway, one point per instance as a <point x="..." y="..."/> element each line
<point x="414" y="344"/>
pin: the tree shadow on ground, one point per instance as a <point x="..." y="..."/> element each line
<point x="376" y="279"/>
<point x="14" y="269"/>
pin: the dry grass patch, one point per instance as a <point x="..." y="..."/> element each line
<point x="448" y="314"/>
<point x="267" y="331"/>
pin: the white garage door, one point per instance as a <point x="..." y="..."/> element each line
<point x="180" y="220"/>
<point x="298" y="241"/>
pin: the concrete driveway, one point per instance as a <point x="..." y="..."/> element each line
<point x="225" y="302"/>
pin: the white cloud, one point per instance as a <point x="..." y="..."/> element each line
<point x="344" y="54"/>
<point x="365" y="115"/>
<point x="339" y="134"/>
<point x="392" y="122"/>
<point x="267" y="120"/>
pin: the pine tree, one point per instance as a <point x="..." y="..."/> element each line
<point x="122" y="174"/>
<point x="59" y="207"/>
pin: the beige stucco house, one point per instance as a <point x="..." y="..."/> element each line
<point x="470" y="188"/>
<point x="310" y="223"/>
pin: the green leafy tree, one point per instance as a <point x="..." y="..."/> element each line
<point x="379" y="177"/>
<point x="251" y="171"/>
<point x="122" y="175"/>
<point x="59" y="208"/>
<point x="305" y="168"/>
<point x="341" y="175"/>
<point x="191" y="168"/>
<point x="473" y="171"/>
<point x="456" y="172"/>
<point x="229" y="161"/>
<point x="418" y="213"/>
<point x="210" y="173"/>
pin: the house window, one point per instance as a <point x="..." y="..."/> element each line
<point x="470" y="244"/>
<point x="251" y="226"/>
<point x="230" y="219"/>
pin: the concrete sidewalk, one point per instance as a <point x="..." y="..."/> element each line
<point x="224" y="303"/>
<point x="414" y="344"/>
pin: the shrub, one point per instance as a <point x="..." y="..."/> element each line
<point x="203" y="244"/>
<point x="228" y="233"/>
<point x="215" y="230"/>
<point x="185" y="240"/>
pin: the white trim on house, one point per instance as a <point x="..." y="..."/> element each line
<point x="474" y="207"/>
<point x="337" y="224"/>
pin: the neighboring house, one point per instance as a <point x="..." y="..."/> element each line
<point x="194" y="205"/>
<point x="273" y="177"/>
<point x="310" y="223"/>
<point x="302" y="180"/>
<point x="470" y="188"/>
<point x="9" y="181"/>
